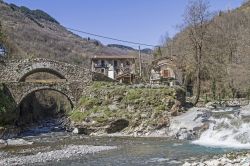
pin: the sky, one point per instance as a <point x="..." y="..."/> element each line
<point x="144" y="21"/>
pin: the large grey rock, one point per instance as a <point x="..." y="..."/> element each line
<point x="117" y="126"/>
<point x="18" y="142"/>
<point x="81" y="130"/>
<point x="3" y="143"/>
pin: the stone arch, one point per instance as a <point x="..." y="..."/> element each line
<point x="69" y="97"/>
<point x="37" y="70"/>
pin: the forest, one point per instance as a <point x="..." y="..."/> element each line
<point x="212" y="49"/>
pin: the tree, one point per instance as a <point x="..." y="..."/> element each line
<point x="157" y="53"/>
<point x="196" y="19"/>
<point x="1" y="34"/>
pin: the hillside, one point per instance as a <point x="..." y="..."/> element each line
<point x="225" y="71"/>
<point x="33" y="33"/>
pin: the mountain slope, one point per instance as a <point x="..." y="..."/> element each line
<point x="33" y="33"/>
<point x="225" y="60"/>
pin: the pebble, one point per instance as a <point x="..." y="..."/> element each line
<point x="241" y="160"/>
<point x="18" y="142"/>
<point x="65" y="153"/>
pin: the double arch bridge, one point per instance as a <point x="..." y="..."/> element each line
<point x="71" y="83"/>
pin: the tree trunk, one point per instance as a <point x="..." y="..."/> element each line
<point x="198" y="77"/>
<point x="198" y="87"/>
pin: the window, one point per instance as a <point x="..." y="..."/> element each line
<point x="102" y="70"/>
<point x="102" y="63"/>
<point x="165" y="73"/>
<point x="115" y="63"/>
<point x="127" y="63"/>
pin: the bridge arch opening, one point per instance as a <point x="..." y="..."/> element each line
<point x="43" y="105"/>
<point x="40" y="76"/>
<point x="47" y="89"/>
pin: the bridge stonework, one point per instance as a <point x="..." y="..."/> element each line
<point x="14" y="72"/>
<point x="19" y="90"/>
<point x="18" y="70"/>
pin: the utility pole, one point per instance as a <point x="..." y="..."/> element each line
<point x="171" y="49"/>
<point x="140" y="65"/>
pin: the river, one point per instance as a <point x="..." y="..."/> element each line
<point x="53" y="146"/>
<point x="129" y="151"/>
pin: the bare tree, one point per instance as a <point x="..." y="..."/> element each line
<point x="197" y="17"/>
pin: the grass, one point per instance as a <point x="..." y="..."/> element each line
<point x="89" y="102"/>
<point x="78" y="116"/>
<point x="8" y="114"/>
<point x="151" y="102"/>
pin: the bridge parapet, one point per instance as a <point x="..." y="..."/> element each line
<point x="18" y="70"/>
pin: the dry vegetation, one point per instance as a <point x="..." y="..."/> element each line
<point x="33" y="33"/>
<point x="224" y="56"/>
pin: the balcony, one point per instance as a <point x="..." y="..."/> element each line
<point x="100" y="66"/>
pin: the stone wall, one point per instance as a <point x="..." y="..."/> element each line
<point x="101" y="77"/>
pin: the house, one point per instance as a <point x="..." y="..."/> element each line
<point x="117" y="67"/>
<point x="165" y="71"/>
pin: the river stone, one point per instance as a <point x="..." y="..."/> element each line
<point x="175" y="109"/>
<point x="117" y="126"/>
<point x="80" y="130"/>
<point x="186" y="164"/>
<point x="113" y="107"/>
<point x="2" y="130"/>
<point x="18" y="142"/>
<point x="163" y="122"/>
<point x="3" y="143"/>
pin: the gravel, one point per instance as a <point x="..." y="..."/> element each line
<point x="231" y="159"/>
<point x="56" y="155"/>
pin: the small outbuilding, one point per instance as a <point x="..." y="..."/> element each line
<point x="165" y="71"/>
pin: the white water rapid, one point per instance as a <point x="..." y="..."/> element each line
<point x="225" y="127"/>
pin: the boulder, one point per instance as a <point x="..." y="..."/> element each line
<point x="163" y="122"/>
<point x="185" y="134"/>
<point x="81" y="130"/>
<point x="3" y="143"/>
<point x="117" y="126"/>
<point x="175" y="109"/>
<point x="18" y="142"/>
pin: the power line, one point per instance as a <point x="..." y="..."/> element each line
<point x="114" y="39"/>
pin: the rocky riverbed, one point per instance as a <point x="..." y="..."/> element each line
<point x="201" y="136"/>
<point x="66" y="152"/>
<point x="230" y="159"/>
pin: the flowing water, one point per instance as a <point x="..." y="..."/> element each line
<point x="229" y="130"/>
<point x="130" y="151"/>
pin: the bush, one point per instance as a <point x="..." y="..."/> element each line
<point x="89" y="102"/>
<point x="8" y="113"/>
<point x="78" y="116"/>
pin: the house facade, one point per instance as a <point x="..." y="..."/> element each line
<point x="120" y="68"/>
<point x="165" y="71"/>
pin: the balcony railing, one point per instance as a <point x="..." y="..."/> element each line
<point x="100" y="66"/>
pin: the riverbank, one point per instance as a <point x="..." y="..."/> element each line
<point x="230" y="159"/>
<point x="137" y="110"/>
<point x="67" y="152"/>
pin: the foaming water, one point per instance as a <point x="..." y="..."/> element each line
<point x="227" y="129"/>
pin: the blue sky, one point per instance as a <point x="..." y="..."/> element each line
<point x="142" y="21"/>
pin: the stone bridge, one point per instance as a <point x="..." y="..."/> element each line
<point x="19" y="70"/>
<point x="14" y="73"/>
